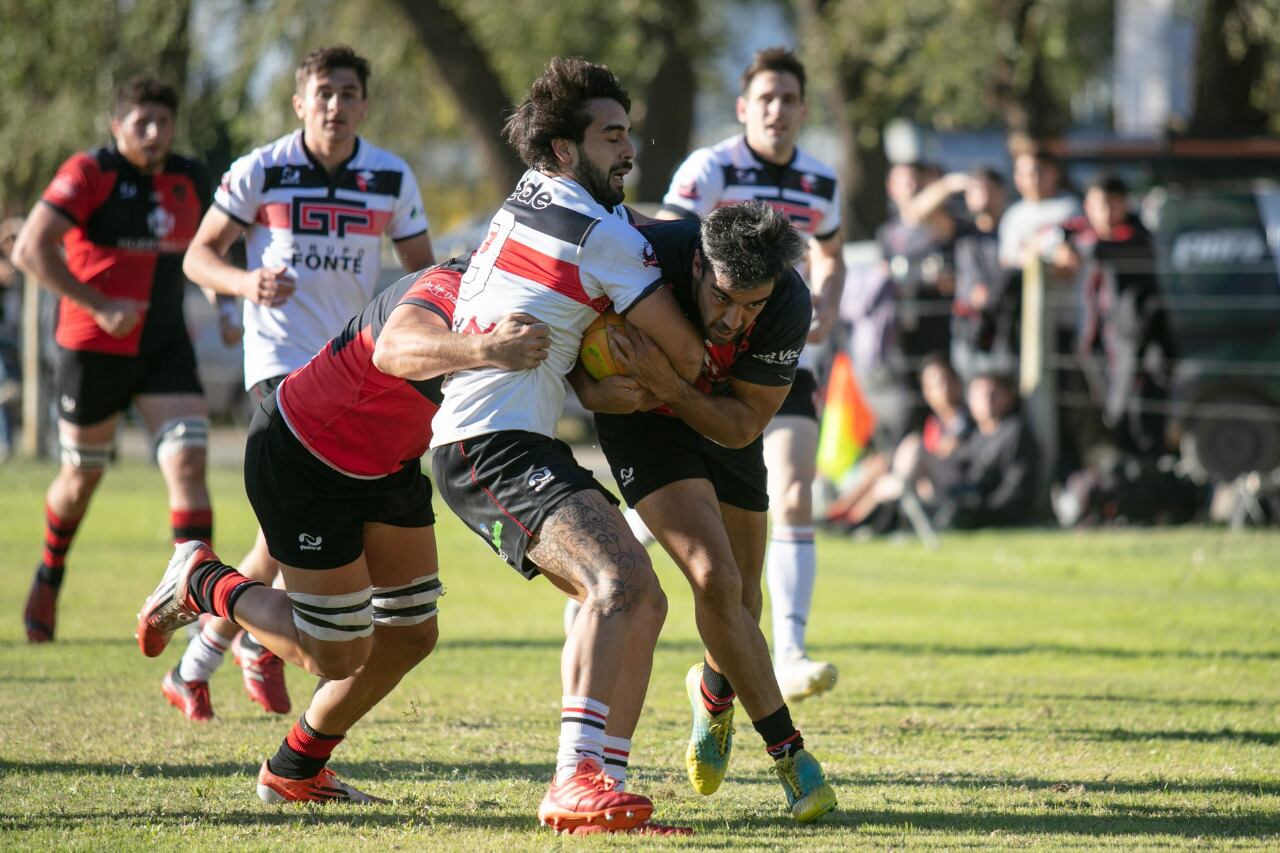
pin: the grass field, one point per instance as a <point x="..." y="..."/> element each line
<point x="1043" y="690"/>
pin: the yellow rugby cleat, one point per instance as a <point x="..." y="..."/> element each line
<point x="808" y="795"/>
<point x="707" y="758"/>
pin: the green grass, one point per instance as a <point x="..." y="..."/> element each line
<point x="1044" y="690"/>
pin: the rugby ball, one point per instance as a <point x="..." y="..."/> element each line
<point x="595" y="354"/>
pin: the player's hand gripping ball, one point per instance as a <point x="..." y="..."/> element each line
<point x="595" y="354"/>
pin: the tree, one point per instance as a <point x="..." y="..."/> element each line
<point x="947" y="64"/>
<point x="58" y="65"/>
<point x="1237" y="43"/>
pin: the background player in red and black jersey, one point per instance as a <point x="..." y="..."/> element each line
<point x="108" y="237"/>
<point x="694" y="469"/>
<point x="332" y="469"/>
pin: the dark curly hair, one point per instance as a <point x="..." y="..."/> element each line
<point x="750" y="244"/>
<point x="326" y="59"/>
<point x="779" y="60"/>
<point x="556" y="108"/>
<point x="140" y="90"/>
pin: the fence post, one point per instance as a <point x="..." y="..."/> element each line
<point x="1037" y="379"/>
<point x="35" y="391"/>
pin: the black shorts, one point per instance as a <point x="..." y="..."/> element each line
<point x="802" y="399"/>
<point x="648" y="451"/>
<point x="93" y="386"/>
<point x="504" y="485"/>
<point x="312" y="515"/>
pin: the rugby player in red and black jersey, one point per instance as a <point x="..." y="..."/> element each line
<point x="332" y="471"/>
<point x="765" y="163"/>
<point x="107" y="236"/>
<point x="694" y="468"/>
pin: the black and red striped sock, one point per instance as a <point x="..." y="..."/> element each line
<point x="215" y="588"/>
<point x="781" y="737"/>
<point x="717" y="692"/>
<point x="192" y="524"/>
<point x="58" y="533"/>
<point x="304" y="752"/>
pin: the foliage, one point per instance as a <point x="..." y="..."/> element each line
<point x="58" y="65"/>
<point x="1013" y="690"/>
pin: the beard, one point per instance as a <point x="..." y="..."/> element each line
<point x="596" y="181"/>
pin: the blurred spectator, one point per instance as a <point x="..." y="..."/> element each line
<point x="1123" y="332"/>
<point x="990" y="478"/>
<point x="889" y="332"/>
<point x="10" y="329"/>
<point x="985" y="309"/>
<point x="881" y="481"/>
<point x="1043" y="205"/>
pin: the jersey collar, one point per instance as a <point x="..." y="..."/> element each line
<point x="338" y="170"/>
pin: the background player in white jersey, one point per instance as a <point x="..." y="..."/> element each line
<point x="313" y="206"/>
<point x="765" y="163"/>
<point x="562" y="250"/>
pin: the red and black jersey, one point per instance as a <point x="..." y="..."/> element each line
<point x="353" y="416"/>
<point x="130" y="233"/>
<point x="768" y="350"/>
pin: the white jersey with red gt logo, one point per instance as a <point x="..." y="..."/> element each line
<point x="556" y="253"/>
<point x="326" y="229"/>
<point x="729" y="172"/>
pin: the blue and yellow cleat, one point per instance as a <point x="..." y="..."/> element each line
<point x="808" y="795"/>
<point x="707" y="758"/>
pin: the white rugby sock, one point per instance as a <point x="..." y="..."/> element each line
<point x="581" y="733"/>
<point x="791" y="568"/>
<point x="617" y="751"/>
<point x="203" y="655"/>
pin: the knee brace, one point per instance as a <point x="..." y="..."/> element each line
<point x="180" y="433"/>
<point x="86" y="457"/>
<point x="333" y="618"/>
<point x="410" y="604"/>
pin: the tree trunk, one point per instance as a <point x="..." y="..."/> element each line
<point x="668" y="116"/>
<point x="1020" y="92"/>
<point x="471" y="79"/>
<point x="1225" y="82"/>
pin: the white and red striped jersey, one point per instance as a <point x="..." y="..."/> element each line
<point x="326" y="229"/>
<point x="556" y="253"/>
<point x="729" y="172"/>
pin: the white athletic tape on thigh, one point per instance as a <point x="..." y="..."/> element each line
<point x="89" y="457"/>
<point x="180" y="433"/>
<point x="410" y="604"/>
<point x="334" y="618"/>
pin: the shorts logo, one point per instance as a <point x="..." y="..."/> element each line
<point x="68" y="404"/>
<point x="307" y="542"/>
<point x="539" y="480"/>
<point x="496" y="537"/>
<point x="628" y="475"/>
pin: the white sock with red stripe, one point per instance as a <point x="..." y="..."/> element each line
<point x="581" y="734"/>
<point x="791" y="569"/>
<point x="203" y="655"/>
<point x="617" y="750"/>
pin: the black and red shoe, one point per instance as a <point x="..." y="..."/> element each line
<point x="41" y="610"/>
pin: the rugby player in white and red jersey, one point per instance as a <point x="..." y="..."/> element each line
<point x="333" y="471"/>
<point x="561" y="248"/>
<point x="765" y="164"/>
<point x="313" y="207"/>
